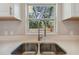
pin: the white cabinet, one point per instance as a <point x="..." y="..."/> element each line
<point x="75" y="8"/>
<point x="8" y="9"/>
<point x="17" y="10"/>
<point x="5" y="9"/>
<point x="70" y="10"/>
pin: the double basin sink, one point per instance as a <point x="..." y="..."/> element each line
<point x="44" y="49"/>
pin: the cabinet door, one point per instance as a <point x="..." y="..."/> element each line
<point x="17" y="11"/>
<point x="67" y="12"/>
<point x="75" y="9"/>
<point x="70" y="10"/>
<point x="10" y="9"/>
<point x="4" y="9"/>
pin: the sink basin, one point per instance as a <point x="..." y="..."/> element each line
<point x="51" y="49"/>
<point x="26" y="49"/>
<point x="32" y="49"/>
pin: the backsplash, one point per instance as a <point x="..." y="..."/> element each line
<point x="73" y="27"/>
<point x="11" y="28"/>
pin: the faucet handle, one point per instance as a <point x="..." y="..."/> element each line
<point x="40" y="37"/>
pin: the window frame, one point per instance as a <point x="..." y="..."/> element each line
<point x="27" y="30"/>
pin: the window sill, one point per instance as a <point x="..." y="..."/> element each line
<point x="54" y="33"/>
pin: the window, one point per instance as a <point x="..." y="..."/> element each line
<point x="41" y="16"/>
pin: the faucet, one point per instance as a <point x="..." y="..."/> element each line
<point x="40" y="36"/>
<point x="39" y="14"/>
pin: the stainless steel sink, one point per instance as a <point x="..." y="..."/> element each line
<point x="26" y="49"/>
<point x="51" y="49"/>
<point x="32" y="49"/>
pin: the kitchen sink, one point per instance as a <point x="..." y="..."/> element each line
<point x="26" y="49"/>
<point x="32" y="49"/>
<point x="51" y="49"/>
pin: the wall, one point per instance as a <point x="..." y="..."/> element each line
<point x="8" y="27"/>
